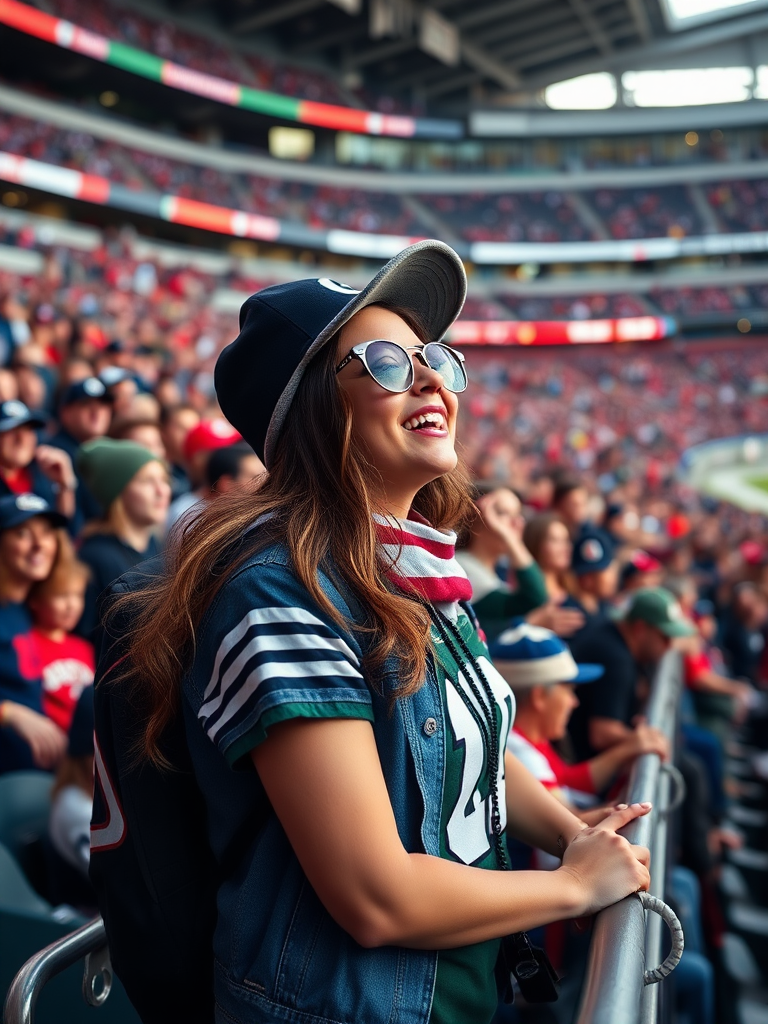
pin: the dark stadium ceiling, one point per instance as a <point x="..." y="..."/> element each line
<point x="501" y="48"/>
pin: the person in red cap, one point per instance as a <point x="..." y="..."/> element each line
<point x="206" y="437"/>
<point x="642" y="570"/>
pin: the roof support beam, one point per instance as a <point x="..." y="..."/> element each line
<point x="568" y="32"/>
<point x="549" y="16"/>
<point x="641" y="19"/>
<point x="590" y="23"/>
<point x="694" y="39"/>
<point x="265" y="19"/>
<point x="501" y="10"/>
<point x="317" y="43"/>
<point x="489" y="66"/>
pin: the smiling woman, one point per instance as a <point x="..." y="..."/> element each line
<point x="317" y="634"/>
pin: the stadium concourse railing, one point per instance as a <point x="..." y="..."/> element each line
<point x="623" y="942"/>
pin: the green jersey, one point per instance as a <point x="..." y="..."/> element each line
<point x="465" y="987"/>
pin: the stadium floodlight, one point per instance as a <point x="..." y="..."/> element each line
<point x="683" y="14"/>
<point x="587" y="92"/>
<point x="687" y="87"/>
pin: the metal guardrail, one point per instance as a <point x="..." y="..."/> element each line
<point x="89" y="942"/>
<point x="622" y="945"/>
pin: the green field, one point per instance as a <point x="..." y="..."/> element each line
<point x="758" y="481"/>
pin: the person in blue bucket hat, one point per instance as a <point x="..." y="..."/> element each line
<point x="543" y="675"/>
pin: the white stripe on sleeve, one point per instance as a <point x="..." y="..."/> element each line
<point x="264" y="617"/>
<point x="288" y="670"/>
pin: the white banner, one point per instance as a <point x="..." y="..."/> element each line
<point x="439" y="37"/>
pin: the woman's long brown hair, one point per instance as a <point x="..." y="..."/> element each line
<point x="318" y="497"/>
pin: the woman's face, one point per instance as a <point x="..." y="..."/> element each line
<point x="147" y="496"/>
<point x="17" y="447"/>
<point x="557" y="549"/>
<point x="28" y="551"/>
<point x="406" y="455"/>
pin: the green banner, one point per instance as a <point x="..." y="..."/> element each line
<point x="269" y="103"/>
<point x="130" y="59"/>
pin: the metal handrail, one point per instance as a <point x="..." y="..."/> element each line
<point x="621" y="944"/>
<point x="89" y="942"/>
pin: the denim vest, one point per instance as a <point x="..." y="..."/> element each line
<point x="279" y="955"/>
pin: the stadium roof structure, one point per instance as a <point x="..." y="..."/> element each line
<point x="454" y="55"/>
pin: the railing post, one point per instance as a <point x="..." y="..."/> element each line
<point x="39" y="969"/>
<point x="613" y="989"/>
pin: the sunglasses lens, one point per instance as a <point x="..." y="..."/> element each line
<point x="447" y="365"/>
<point x="389" y="365"/>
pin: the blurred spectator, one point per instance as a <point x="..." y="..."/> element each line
<point x="26" y="465"/>
<point x="594" y="576"/>
<point x="145" y="432"/>
<point x="66" y="661"/>
<point x="234" y="466"/>
<point x="29" y="547"/>
<point x="176" y="421"/>
<point x="641" y="570"/>
<point x="200" y="441"/>
<point x="496" y="533"/>
<point x="744" y="631"/>
<point x="543" y="675"/>
<point x="84" y="412"/>
<point x="132" y="485"/>
<point x="631" y="643"/>
<point x="571" y="502"/>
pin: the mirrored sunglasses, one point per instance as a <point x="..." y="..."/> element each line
<point x="391" y="365"/>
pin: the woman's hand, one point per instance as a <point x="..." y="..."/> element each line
<point x="605" y="866"/>
<point x="47" y="742"/>
<point x="56" y="464"/>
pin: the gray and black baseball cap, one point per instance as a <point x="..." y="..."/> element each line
<point x="282" y="328"/>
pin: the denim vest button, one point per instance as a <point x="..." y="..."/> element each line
<point x="430" y="727"/>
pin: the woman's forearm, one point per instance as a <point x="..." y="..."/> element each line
<point x="323" y="778"/>
<point x="438" y="904"/>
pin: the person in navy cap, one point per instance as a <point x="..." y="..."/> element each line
<point x="84" y="412"/>
<point x="594" y="576"/>
<point x="28" y="466"/>
<point x="543" y="676"/>
<point x="30" y="541"/>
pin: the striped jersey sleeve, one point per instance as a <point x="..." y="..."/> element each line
<point x="270" y="654"/>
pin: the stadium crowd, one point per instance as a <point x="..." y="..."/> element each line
<point x="551" y="216"/>
<point x="201" y="52"/>
<point x="110" y="433"/>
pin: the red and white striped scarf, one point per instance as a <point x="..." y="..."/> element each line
<point x="421" y="560"/>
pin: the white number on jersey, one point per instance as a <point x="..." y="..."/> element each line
<point x="469" y="825"/>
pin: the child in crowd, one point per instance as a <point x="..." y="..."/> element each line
<point x="543" y="675"/>
<point x="66" y="661"/>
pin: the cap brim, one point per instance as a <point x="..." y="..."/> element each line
<point x="56" y="518"/>
<point x="676" y="629"/>
<point x="21" y="421"/>
<point x="588" y="673"/>
<point x="427" y="278"/>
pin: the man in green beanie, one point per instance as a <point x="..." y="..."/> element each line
<point x="133" y="486"/>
